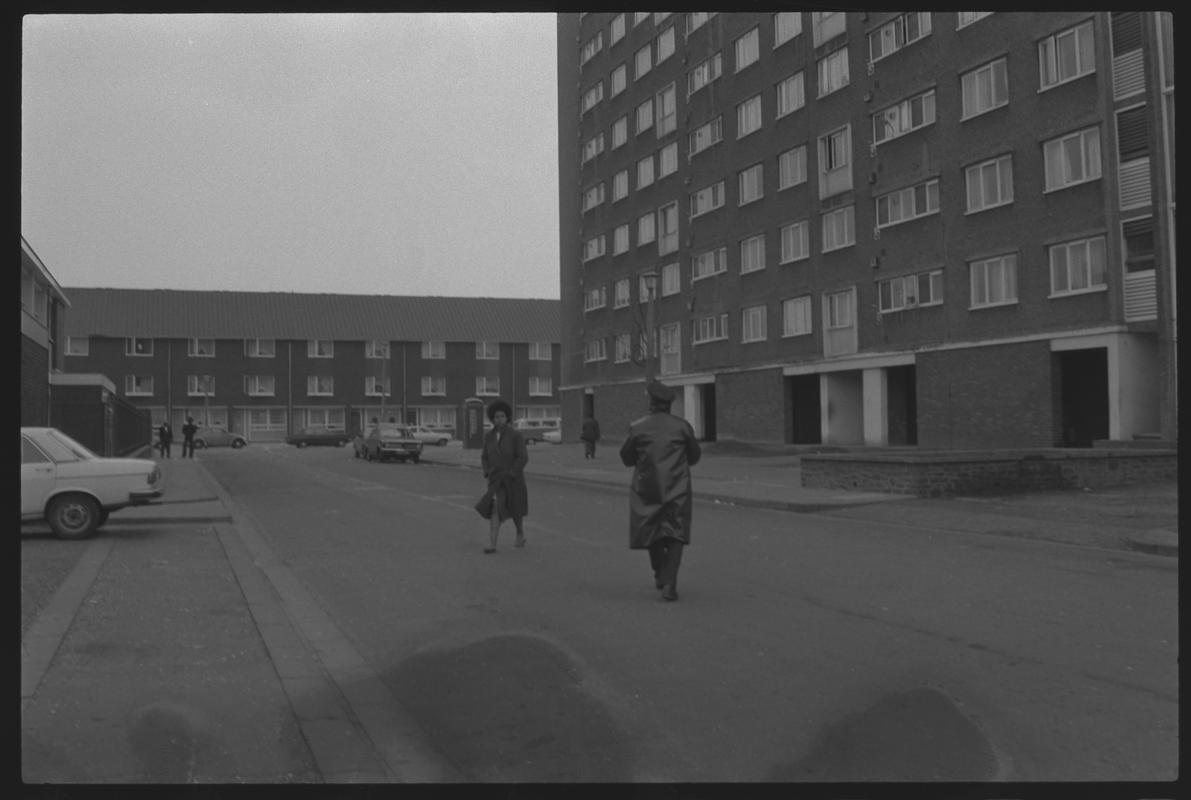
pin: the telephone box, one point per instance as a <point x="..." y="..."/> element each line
<point x="471" y="424"/>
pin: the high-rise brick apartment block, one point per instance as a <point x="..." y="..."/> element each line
<point x="937" y="228"/>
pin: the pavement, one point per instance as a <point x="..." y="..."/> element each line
<point x="226" y="586"/>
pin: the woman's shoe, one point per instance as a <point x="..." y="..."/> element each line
<point x="520" y="542"/>
<point x="668" y="593"/>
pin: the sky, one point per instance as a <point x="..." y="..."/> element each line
<point x="405" y="154"/>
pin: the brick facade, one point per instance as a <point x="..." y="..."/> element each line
<point x="750" y="407"/>
<point x="35" y="372"/>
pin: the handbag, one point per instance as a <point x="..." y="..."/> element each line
<point x="484" y="505"/>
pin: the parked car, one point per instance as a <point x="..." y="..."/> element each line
<point x="216" y="436"/>
<point x="534" y="430"/>
<point x="318" y="436"/>
<point x="392" y="441"/>
<point x="429" y="435"/>
<point x="553" y="436"/>
<point x="73" y="489"/>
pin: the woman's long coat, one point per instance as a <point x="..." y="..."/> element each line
<point x="662" y="448"/>
<point x="504" y="464"/>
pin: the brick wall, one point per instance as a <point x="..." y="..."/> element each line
<point x="35" y="372"/>
<point x="997" y="396"/>
<point x="749" y="406"/>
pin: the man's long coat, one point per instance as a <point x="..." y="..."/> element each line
<point x="662" y="448"/>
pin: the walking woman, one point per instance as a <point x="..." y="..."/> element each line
<point x="504" y="458"/>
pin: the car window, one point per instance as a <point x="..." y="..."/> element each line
<point x="62" y="448"/>
<point x="30" y="454"/>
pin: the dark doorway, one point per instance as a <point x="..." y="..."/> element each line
<point x="804" y="404"/>
<point x="707" y="397"/>
<point x="1083" y="396"/>
<point x="588" y="406"/>
<point x="902" y="405"/>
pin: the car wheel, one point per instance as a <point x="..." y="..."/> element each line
<point x="73" y="516"/>
<point x="200" y="444"/>
<point x="238" y="443"/>
<point x="103" y="517"/>
<point x="416" y="459"/>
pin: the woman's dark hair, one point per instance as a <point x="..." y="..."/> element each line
<point x="499" y="405"/>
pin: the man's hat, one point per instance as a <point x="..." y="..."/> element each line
<point x="660" y="392"/>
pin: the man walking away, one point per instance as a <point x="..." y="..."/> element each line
<point x="590" y="435"/>
<point x="662" y="448"/>
<point x="188" y="432"/>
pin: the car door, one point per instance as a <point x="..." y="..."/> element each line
<point x="38" y="475"/>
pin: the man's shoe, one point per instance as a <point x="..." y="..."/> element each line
<point x="668" y="593"/>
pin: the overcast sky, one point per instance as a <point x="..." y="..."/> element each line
<point x="388" y="153"/>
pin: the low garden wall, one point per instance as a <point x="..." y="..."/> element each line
<point x="942" y="473"/>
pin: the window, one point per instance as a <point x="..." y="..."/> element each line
<point x="646" y="286"/>
<point x="1072" y="159"/>
<point x="646" y="231"/>
<point x="711" y="262"/>
<point x="593" y="197"/>
<point x="200" y="348"/>
<point x="639" y="17"/>
<point x="667" y="111"/>
<point x="835" y="162"/>
<point x="697" y="19"/>
<point x="376" y="348"/>
<point x="897" y="33"/>
<point x="620" y="132"/>
<point x="904" y="117"/>
<point x="1138" y="235"/>
<point x="833" y="72"/>
<point x="1067" y="55"/>
<point x="748" y="49"/>
<point x="786" y="25"/>
<point x="908" y="291"/>
<point x="434" y="386"/>
<point x="839" y="309"/>
<point x="258" y="385"/>
<point x="990" y="184"/>
<point x="620" y="185"/>
<point x="374" y="387"/>
<point x="138" y="385"/>
<point x="752" y="253"/>
<point x="617" y="83"/>
<point x="707" y="199"/>
<point x="200" y="385"/>
<point x="77" y="346"/>
<point x="624" y="348"/>
<point x="487" y="385"/>
<point x="790" y="95"/>
<point x="434" y="350"/>
<point x="594" y="350"/>
<point x="540" y="386"/>
<point x="704" y="73"/>
<point x="592" y="96"/>
<point x="827" y="25"/>
<point x="796" y="316"/>
<point x="1077" y="266"/>
<point x="593" y="46"/>
<point x="488" y="350"/>
<point x="540" y="351"/>
<point x="709" y="329"/>
<point x="751" y="184"/>
<point x="595" y="298"/>
<point x="985" y="88"/>
<point x="620" y="293"/>
<point x="616" y="30"/>
<point x="643" y="61"/>
<point x="752" y="324"/>
<point x="645" y="116"/>
<point x="966" y="18"/>
<point x="593" y="147"/>
<point x="620" y="239"/>
<point x="320" y="348"/>
<point x="668" y="160"/>
<point x="260" y="348"/>
<point x="670" y="361"/>
<point x="645" y="172"/>
<point x="993" y="281"/>
<point x="658" y="16"/>
<point x="320" y="385"/>
<point x="839" y="228"/>
<point x="705" y="136"/>
<point x="593" y="248"/>
<point x="791" y="167"/>
<point x="668" y="228"/>
<point x="665" y="43"/>
<point x="795" y="241"/>
<point x="138" y="347"/>
<point x="671" y="279"/>
<point x="908" y="203"/>
<point x="748" y="116"/>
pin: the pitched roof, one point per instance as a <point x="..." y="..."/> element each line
<point x="184" y="314"/>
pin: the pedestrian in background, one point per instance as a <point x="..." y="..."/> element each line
<point x="504" y="458"/>
<point x="188" y="432"/>
<point x="590" y="435"/>
<point x="662" y="448"/>
<point x="165" y="438"/>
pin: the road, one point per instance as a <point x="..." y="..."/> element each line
<point x="804" y="647"/>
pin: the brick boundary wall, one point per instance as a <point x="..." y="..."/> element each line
<point x="990" y="472"/>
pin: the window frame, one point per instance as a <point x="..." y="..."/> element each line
<point x="131" y="382"/>
<point x="789" y="330"/>
<point x="1085" y="159"/>
<point x="718" y="260"/>
<point x="706" y="72"/>
<point x="798" y="156"/>
<point x="314" y="386"/>
<point x="912" y="192"/>
<point x="622" y="293"/>
<point x="251" y="345"/>
<point x="130" y="345"/>
<point x="823" y="66"/>
<point x="743" y="116"/>
<point x="849" y="226"/>
<point x="965" y="112"/>
<point x="620" y="239"/>
<point x="1008" y="276"/>
<point x="1089" y="269"/>
<point x="484" y="386"/>
<point x="752" y="248"/>
<point x="709" y="328"/>
<point x="799" y="79"/>
<point x="71" y="347"/>
<point x="978" y="168"/>
<point x="595" y="298"/>
<point x="745" y="180"/>
<point x="620" y="131"/>
<point x="647" y="234"/>
<point x="715" y="127"/>
<point x="903" y="112"/>
<point x="760" y="323"/>
<point x="487" y="350"/>
<point x="713" y="190"/>
<point x="253" y="385"/>
<point x="752" y="48"/>
<point x="432" y="346"/>
<point x="805" y="225"/>
<point x="900" y="25"/>
<point x="795" y="17"/>
<point x="1052" y="40"/>
<point x="429" y="384"/>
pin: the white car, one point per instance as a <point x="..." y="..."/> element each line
<point x="74" y="490"/>
<point x="429" y="435"/>
<point x="552" y="436"/>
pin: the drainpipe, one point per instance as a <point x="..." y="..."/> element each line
<point x="404" y="406"/>
<point x="289" y="386"/>
<point x="1171" y="304"/>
